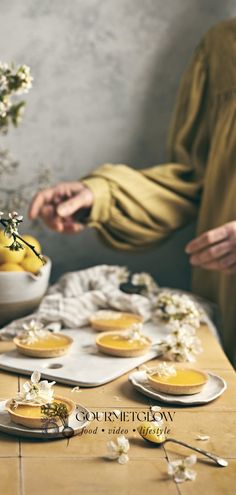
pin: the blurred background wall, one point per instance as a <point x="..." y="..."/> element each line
<point x="105" y="79"/>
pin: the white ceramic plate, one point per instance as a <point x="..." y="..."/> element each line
<point x="214" y="387"/>
<point x="83" y="365"/>
<point x="7" y="426"/>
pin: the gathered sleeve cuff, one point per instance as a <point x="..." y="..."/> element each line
<point x="133" y="208"/>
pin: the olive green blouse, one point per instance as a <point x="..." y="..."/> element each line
<point x="134" y="208"/>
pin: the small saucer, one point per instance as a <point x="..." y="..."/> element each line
<point x="214" y="387"/>
<point x="78" y="420"/>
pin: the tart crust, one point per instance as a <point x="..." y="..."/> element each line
<point x="135" y="350"/>
<point x="163" y="383"/>
<point x="44" y="352"/>
<point x="36" y="422"/>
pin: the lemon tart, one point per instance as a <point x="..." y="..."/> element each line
<point x="32" y="416"/>
<point x="184" y="381"/>
<point x="38" y="342"/>
<point x="123" y="344"/>
<point x="106" y="320"/>
<point x="36" y="407"/>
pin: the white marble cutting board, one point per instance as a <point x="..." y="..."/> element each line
<point x="84" y="365"/>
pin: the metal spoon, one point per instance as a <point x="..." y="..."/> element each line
<point x="161" y="439"/>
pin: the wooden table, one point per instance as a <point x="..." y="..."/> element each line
<point x="81" y="466"/>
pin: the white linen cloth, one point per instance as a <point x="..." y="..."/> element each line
<point x="77" y="295"/>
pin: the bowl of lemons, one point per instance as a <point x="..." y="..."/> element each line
<point x="23" y="279"/>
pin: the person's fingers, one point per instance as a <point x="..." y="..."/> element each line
<point x="38" y="201"/>
<point x="70" y="226"/>
<point x="224" y="264"/>
<point x="73" y="228"/>
<point x="53" y="194"/>
<point x="63" y="225"/>
<point x="211" y="253"/>
<point x="67" y="189"/>
<point x="204" y="240"/>
<point x="81" y="200"/>
<point x="51" y="219"/>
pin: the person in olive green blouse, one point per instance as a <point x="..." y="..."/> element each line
<point x="133" y="208"/>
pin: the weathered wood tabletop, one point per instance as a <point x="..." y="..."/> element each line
<point x="81" y="465"/>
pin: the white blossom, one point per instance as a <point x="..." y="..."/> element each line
<point x="134" y="334"/>
<point x="35" y="392"/>
<point x="23" y="73"/>
<point x="172" y="306"/>
<point x="162" y="369"/>
<point x="33" y="332"/>
<point x="3" y="83"/>
<point x="4" y="66"/>
<point x="13" y="81"/>
<point x="181" y="344"/>
<point x="15" y="217"/>
<point x="12" y="224"/>
<point x="4" y="107"/>
<point x="181" y="350"/>
<point x="118" y="450"/>
<point x="180" y="470"/>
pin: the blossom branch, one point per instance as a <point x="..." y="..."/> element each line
<point x="11" y="230"/>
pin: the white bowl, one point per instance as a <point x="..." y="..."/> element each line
<point x="21" y="292"/>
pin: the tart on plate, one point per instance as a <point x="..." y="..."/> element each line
<point x="184" y="381"/>
<point x="107" y="320"/>
<point x="124" y="344"/>
<point x="36" y="407"/>
<point x="36" y="341"/>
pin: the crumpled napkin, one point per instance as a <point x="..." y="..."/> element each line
<point x="71" y="301"/>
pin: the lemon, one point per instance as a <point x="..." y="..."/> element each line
<point x="151" y="431"/>
<point x="4" y="240"/>
<point x="10" y="267"/>
<point x="31" y="263"/>
<point x="7" y="256"/>
<point x="31" y="240"/>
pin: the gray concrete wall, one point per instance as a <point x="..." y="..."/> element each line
<point x="106" y="74"/>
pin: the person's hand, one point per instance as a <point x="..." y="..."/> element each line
<point x="58" y="205"/>
<point x="215" y="249"/>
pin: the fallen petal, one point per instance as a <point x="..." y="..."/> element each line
<point x="203" y="438"/>
<point x="76" y="389"/>
<point x="123" y="459"/>
<point x="155" y="408"/>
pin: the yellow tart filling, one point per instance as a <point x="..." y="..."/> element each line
<point x="183" y="377"/>
<point x="119" y="321"/>
<point x="51" y="342"/>
<point x="33" y="411"/>
<point x="117" y="341"/>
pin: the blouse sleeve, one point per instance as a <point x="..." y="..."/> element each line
<point x="133" y="208"/>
